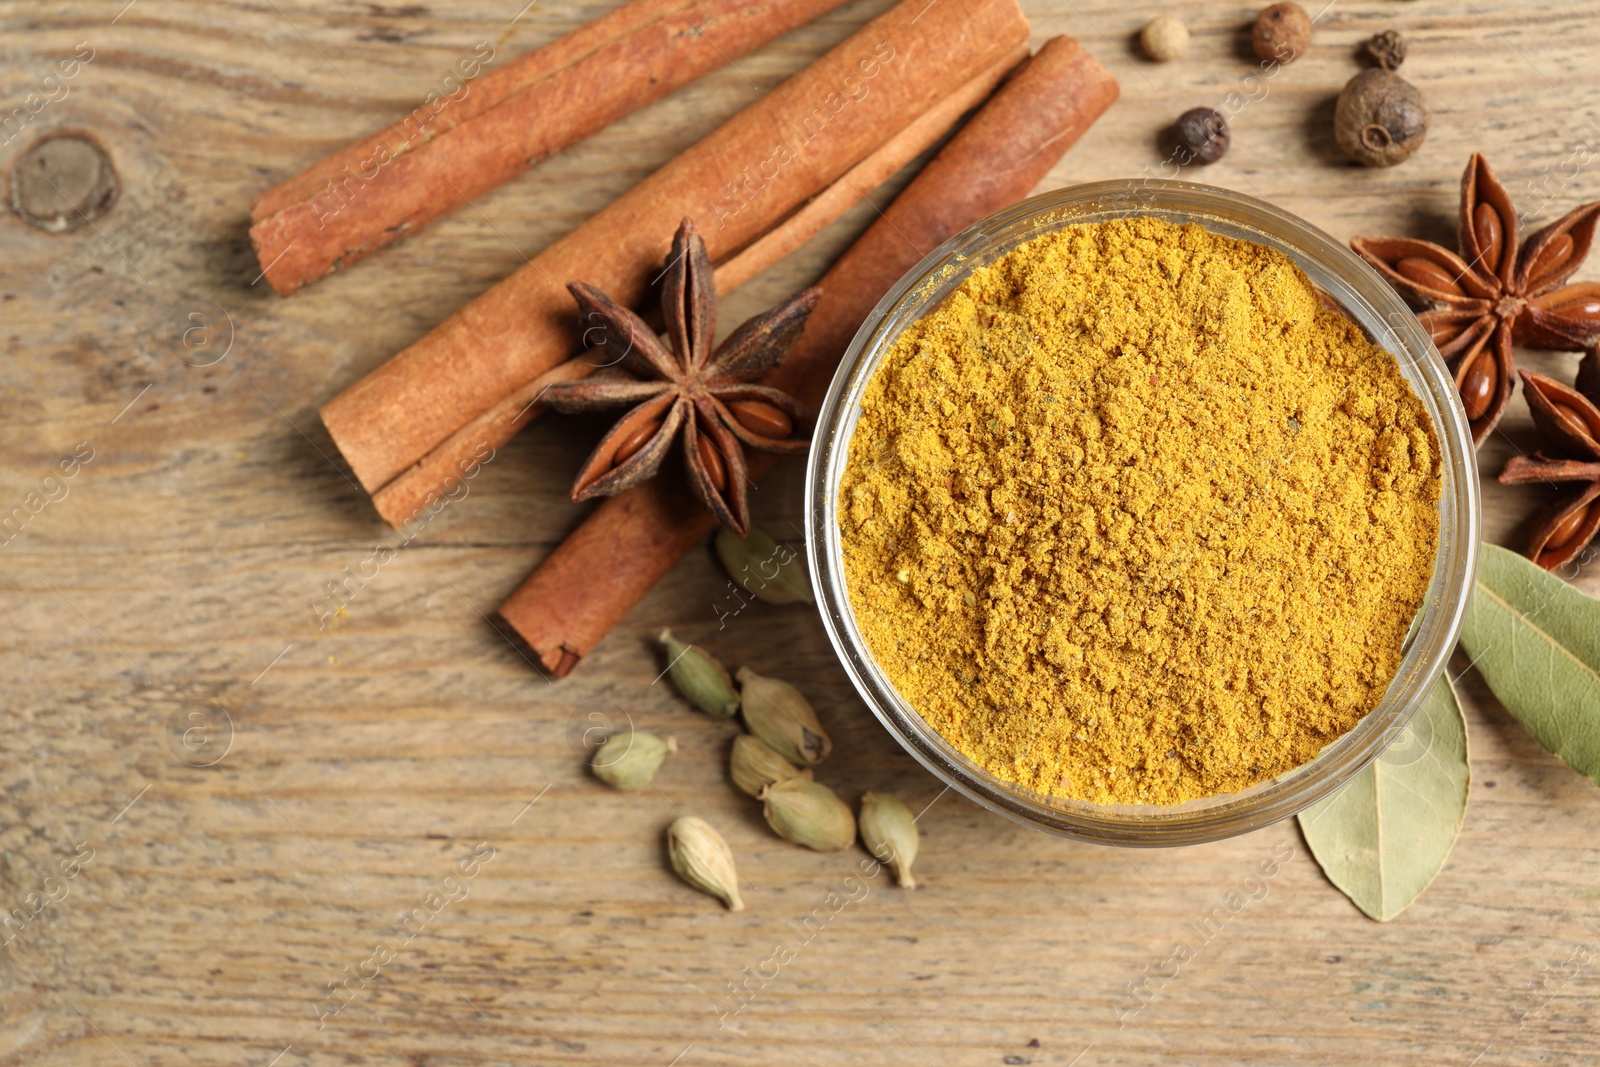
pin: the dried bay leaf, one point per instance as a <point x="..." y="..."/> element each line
<point x="1383" y="837"/>
<point x="1536" y="641"/>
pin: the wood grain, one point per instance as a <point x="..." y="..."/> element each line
<point x="179" y="576"/>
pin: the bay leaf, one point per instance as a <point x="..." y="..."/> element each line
<point x="1536" y="641"/>
<point x="1385" y="834"/>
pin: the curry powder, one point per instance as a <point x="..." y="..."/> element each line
<point x="1134" y="517"/>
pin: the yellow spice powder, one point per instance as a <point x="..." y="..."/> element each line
<point x="1133" y="517"/>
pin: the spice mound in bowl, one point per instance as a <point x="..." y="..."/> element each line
<point x="1134" y="517"/>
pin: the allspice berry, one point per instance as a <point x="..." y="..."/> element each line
<point x="1282" y="32"/>
<point x="1164" y="38"/>
<point x="1380" y="118"/>
<point x="1199" y="136"/>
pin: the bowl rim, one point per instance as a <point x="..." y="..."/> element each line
<point x="1367" y="298"/>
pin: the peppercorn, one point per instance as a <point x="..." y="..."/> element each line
<point x="1380" y="118"/>
<point x="1200" y="136"/>
<point x="1282" y="32"/>
<point x="1386" y="49"/>
<point x="1164" y="38"/>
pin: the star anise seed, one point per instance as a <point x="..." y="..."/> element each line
<point x="1494" y="295"/>
<point x="708" y="399"/>
<point x="1568" y="421"/>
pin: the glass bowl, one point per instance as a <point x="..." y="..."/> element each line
<point x="1365" y="297"/>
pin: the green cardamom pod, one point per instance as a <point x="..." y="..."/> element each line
<point x="810" y="814"/>
<point x="777" y="713"/>
<point x="703" y="859"/>
<point x="702" y="680"/>
<point x="754" y="765"/>
<point x="889" y="831"/>
<point x="629" y="759"/>
<point x="768" y="570"/>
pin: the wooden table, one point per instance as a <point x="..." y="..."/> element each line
<point x="265" y="798"/>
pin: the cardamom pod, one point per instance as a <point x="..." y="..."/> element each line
<point x="629" y="759"/>
<point x="754" y="765"/>
<point x="809" y="813"/>
<point x="702" y="858"/>
<point x="768" y="570"/>
<point x="777" y="713"/>
<point x="702" y="680"/>
<point x="889" y="831"/>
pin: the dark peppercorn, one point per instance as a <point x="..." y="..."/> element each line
<point x="1200" y="136"/>
<point x="1386" y="49"/>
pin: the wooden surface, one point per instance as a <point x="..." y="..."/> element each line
<point x="239" y="870"/>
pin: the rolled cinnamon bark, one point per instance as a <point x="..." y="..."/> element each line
<point x="479" y="133"/>
<point x="737" y="183"/>
<point x="617" y="555"/>
<point x="437" y="472"/>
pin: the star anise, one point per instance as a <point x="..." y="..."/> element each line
<point x="1494" y="295"/>
<point x="1569" y="424"/>
<point x="706" y="398"/>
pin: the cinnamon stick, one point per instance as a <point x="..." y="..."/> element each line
<point x="737" y="183"/>
<point x="625" y="546"/>
<point x="476" y="134"/>
<point x="437" y="472"/>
